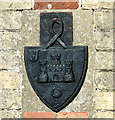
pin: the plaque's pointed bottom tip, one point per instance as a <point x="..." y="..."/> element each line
<point x="56" y="110"/>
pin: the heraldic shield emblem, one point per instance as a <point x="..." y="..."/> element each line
<point x="56" y="69"/>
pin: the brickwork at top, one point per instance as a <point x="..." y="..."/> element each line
<point x="56" y="4"/>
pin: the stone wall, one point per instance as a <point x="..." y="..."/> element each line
<point x="93" y="25"/>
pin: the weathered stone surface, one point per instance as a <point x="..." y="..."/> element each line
<point x="104" y="40"/>
<point x="1" y="40"/>
<point x="10" y="114"/>
<point x="103" y="114"/>
<point x="10" y="60"/>
<point x="103" y="20"/>
<point x="87" y="2"/>
<point x="104" y="80"/>
<point x="10" y="20"/>
<point x="31" y="24"/>
<point x="104" y="100"/>
<point x="114" y="115"/>
<point x="104" y="60"/>
<point x="10" y="80"/>
<point x="10" y="40"/>
<point x="97" y="4"/>
<point x="15" y="4"/>
<point x="10" y="99"/>
<point x="83" y="33"/>
<point x="83" y="27"/>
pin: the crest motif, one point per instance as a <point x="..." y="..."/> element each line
<point x="56" y="69"/>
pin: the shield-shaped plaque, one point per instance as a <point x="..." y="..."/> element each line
<point x="56" y="69"/>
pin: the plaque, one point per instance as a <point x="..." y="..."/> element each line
<point x="56" y="69"/>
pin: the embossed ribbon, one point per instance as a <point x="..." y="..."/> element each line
<point x="56" y="36"/>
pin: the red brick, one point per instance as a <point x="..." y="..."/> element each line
<point x="43" y="115"/>
<point x="55" y="5"/>
<point x="73" y="115"/>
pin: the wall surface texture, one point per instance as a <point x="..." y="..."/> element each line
<point x="93" y="26"/>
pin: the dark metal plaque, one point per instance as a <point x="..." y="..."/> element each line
<point x="56" y="69"/>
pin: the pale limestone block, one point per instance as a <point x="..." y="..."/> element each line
<point x="83" y="33"/>
<point x="104" y="40"/>
<point x="104" y="100"/>
<point x="10" y="40"/>
<point x="10" y="114"/>
<point x="1" y="43"/>
<point x="104" y="80"/>
<point x="104" y="60"/>
<point x="10" y="60"/>
<point x="97" y="4"/>
<point x="103" y="114"/>
<point x="10" y="20"/>
<point x="88" y="1"/>
<point x="15" y="4"/>
<point x="103" y="20"/>
<point x="10" y="99"/>
<point x="10" y="80"/>
<point x="83" y="27"/>
<point x="31" y="28"/>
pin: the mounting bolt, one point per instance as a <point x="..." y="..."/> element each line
<point x="49" y="6"/>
